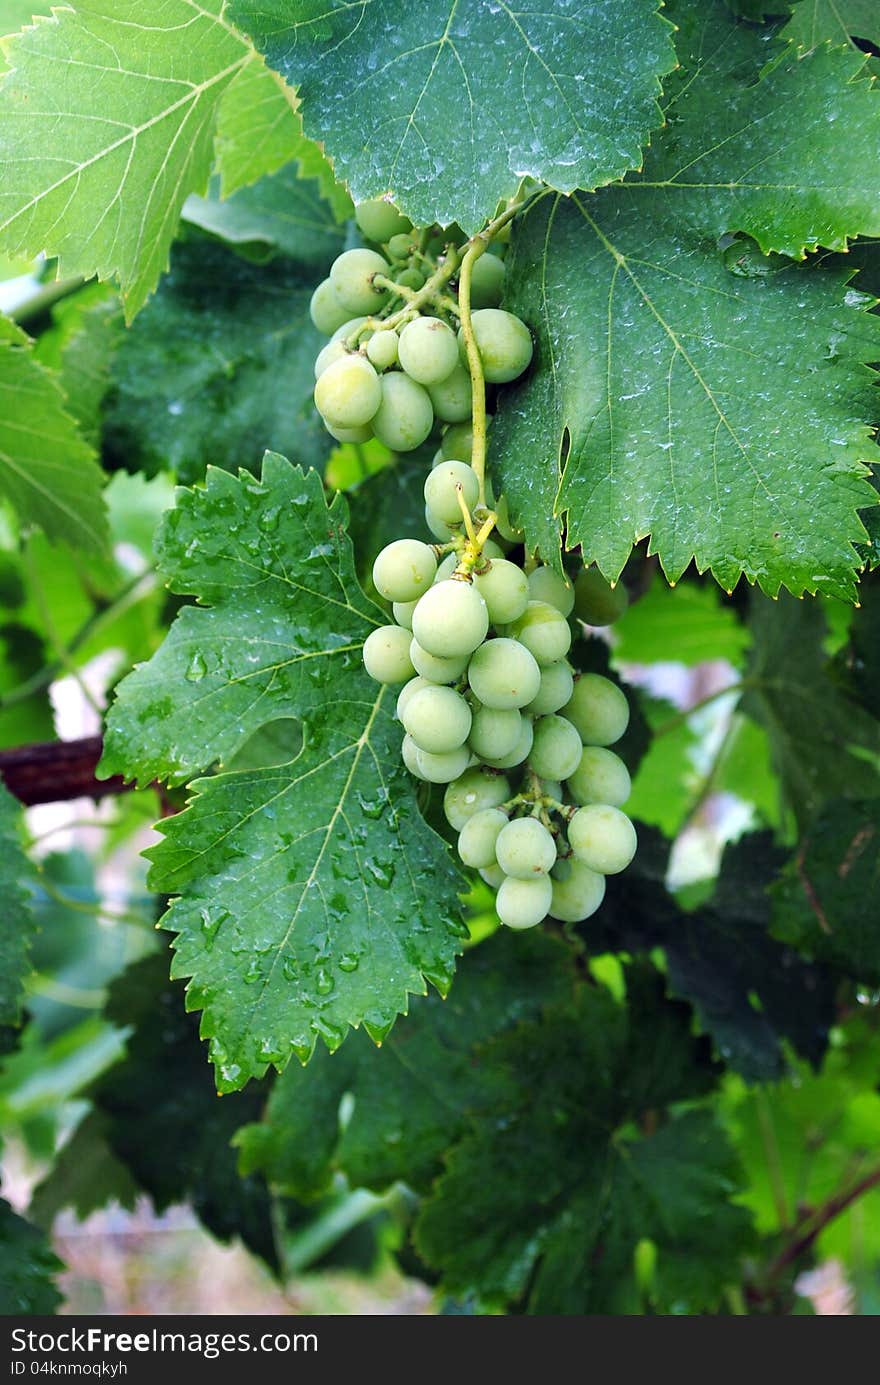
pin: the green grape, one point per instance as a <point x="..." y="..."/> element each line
<point x="503" y="524"/>
<point x="503" y="674"/>
<point x="386" y="655"/>
<point x="547" y="586"/>
<point x="577" y="893"/>
<point x="520" y="751"/>
<point x="379" y="220"/>
<point x="404" y="417"/>
<point x="524" y="903"/>
<point x="476" y="841"/>
<point x="446" y="567"/>
<point x="407" y="691"/>
<point x="403" y="611"/>
<point x="404" y="570"/>
<point x="348" y="328"/>
<point x="408" y="752"/>
<point x="525" y="848"/>
<point x="477" y="788"/>
<point x="328" y="354"/>
<point x="451" y="619"/>
<point x="596" y="602"/>
<point x="441" y="530"/>
<point x="557" y="681"/>
<point x="441" y="493"/>
<point x="553" y="789"/>
<point x="348" y="392"/>
<point x="350" y="434"/>
<point x="443" y="768"/>
<point x="410" y="278"/>
<point x="452" y="398"/>
<point x="428" y="350"/>
<point x="602" y="838"/>
<point x="494" y="733"/>
<point x="351" y="275"/>
<point x="494" y="876"/>
<point x="382" y="349"/>
<point x="601" y="777"/>
<point x="325" y="309"/>
<point x="401" y="245"/>
<point x="598" y="709"/>
<point x="438" y="720"/>
<point x="457" y="441"/>
<point x="503" y="341"/>
<point x="544" y="631"/>
<point x="436" y="670"/>
<point x="556" y="751"/>
<point x="487" y="282"/>
<point x="504" y="588"/>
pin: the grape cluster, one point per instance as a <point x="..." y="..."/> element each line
<point x="396" y="362"/>
<point x="492" y="708"/>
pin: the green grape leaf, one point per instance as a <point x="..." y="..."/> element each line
<point x="280" y="214"/>
<point x="98" y="174"/>
<point x="822" y="742"/>
<point x="80" y="345"/>
<point x="565" y="93"/>
<point x="564" y="1098"/>
<point x="665" y="785"/>
<point x="85" y="1176"/>
<point x="25" y="719"/>
<point x="832" y="21"/>
<point x="17" y="929"/>
<point x="47" y="471"/>
<point x="411" y="1095"/>
<point x="689" y="624"/>
<point x="719" y="414"/>
<point x="324" y="900"/>
<point x="27" y="1267"/>
<point x="863" y="656"/>
<point x="217" y="368"/>
<point x="825" y="904"/>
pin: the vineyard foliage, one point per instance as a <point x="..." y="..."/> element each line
<point x="671" y="1106"/>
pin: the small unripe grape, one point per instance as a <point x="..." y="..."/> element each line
<point x="440" y="529"/>
<point x="328" y="354"/>
<point x="382" y="349"/>
<point x="524" y="903"/>
<point x="503" y="674"/>
<point x="428" y="350"/>
<point x="544" y="631"/>
<point x="494" y="732"/>
<point x="451" y="619"/>
<point x="601" y="777"/>
<point x="504" y="588"/>
<point x="476" y="841"/>
<point x="350" y="434"/>
<point x="504" y="344"/>
<point x="452" y="398"/>
<point x="348" y="328"/>
<point x="446" y="567"/>
<point x="494" y="876"/>
<point x="403" y="611"/>
<point x="386" y="655"/>
<point x="348" y="392"/>
<point x="556" y="751"/>
<point x="602" y="838"/>
<point x="557" y="682"/>
<point x="410" y="277"/>
<point x="546" y="585"/>
<point x="493" y="550"/>
<point x="438" y="719"/>
<point x="598" y="709"/>
<point x="442" y="769"/>
<point x="325" y="309"/>
<point x="435" y="669"/>
<point x="476" y="789"/>
<point x="458" y="441"/>
<point x="404" y="417"/>
<point x="487" y="282"/>
<point x="553" y="789"/>
<point x="351" y="275"/>
<point x="401" y="246"/>
<point x="596" y="601"/>
<point x="407" y="691"/>
<point x="379" y="220"/>
<point x="520" y="751"/>
<point x="404" y="570"/>
<point x="441" y="490"/>
<point x="525" y="848"/>
<point x="577" y="893"/>
<point x="503" y="523"/>
<point x="408" y="752"/>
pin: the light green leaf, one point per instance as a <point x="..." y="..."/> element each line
<point x="109" y="124"/>
<point x="832" y="21"/>
<point x="17" y="926"/>
<point x="689" y="624"/>
<point x="565" y="93"/>
<point x="282" y="213"/>
<point x="87" y="329"/>
<point x="314" y="896"/>
<point x="47" y="471"/>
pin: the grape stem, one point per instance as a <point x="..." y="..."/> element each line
<point x="415" y="299"/>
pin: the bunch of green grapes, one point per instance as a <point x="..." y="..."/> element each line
<point x="492" y="708"/>
<point x="396" y="362"/>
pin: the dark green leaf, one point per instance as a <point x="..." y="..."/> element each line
<point x="27" y="1268"/>
<point x="85" y="1176"/>
<point x="17" y="925"/>
<point x="281" y="214"/>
